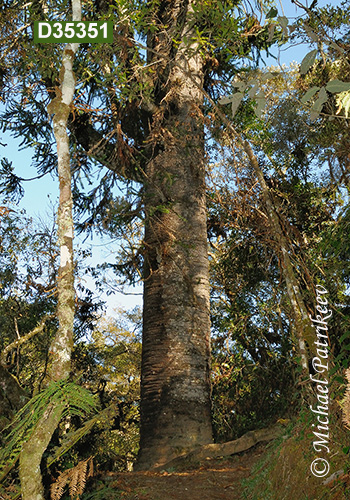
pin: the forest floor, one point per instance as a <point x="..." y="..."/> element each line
<point x="215" y="479"/>
<point x="277" y="470"/>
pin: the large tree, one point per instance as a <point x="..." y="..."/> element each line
<point x="175" y="387"/>
<point x="149" y="84"/>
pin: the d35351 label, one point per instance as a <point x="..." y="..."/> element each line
<point x="73" y="32"/>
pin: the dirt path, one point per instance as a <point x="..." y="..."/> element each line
<point x="217" y="479"/>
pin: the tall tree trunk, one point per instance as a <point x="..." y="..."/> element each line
<point x="304" y="331"/>
<point x="175" y="381"/>
<point x="61" y="348"/>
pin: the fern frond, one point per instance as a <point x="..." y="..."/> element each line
<point x="78" y="479"/>
<point x="9" y="492"/>
<point x="72" y="437"/>
<point x="76" y="401"/>
<point x="57" y="488"/>
<point x="75" y="477"/>
<point x="69" y="440"/>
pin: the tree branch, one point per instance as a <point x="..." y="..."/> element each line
<point x="117" y="157"/>
<point x="18" y="342"/>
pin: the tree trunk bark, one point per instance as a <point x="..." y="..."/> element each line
<point x="303" y="326"/>
<point x="175" y="380"/>
<point x="61" y="348"/>
<point x="32" y="451"/>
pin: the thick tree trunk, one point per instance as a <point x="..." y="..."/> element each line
<point x="175" y="382"/>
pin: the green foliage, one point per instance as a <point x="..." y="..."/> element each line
<point x="252" y="319"/>
<point x="253" y="381"/>
<point x="120" y="86"/>
<point x="225" y="33"/>
<point x="110" y="365"/>
<point x="308" y="62"/>
<point x="328" y="29"/>
<point x="252" y="86"/>
<point x="75" y="400"/>
<point x="290" y="457"/>
<point x="334" y="247"/>
<point x="326" y="66"/>
<point x="28" y="262"/>
<point x="12" y="186"/>
<point x="28" y="266"/>
<point x="249" y="395"/>
<point x="71" y="438"/>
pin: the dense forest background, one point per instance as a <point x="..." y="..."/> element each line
<point x="266" y="195"/>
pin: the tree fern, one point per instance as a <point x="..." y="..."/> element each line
<point x="75" y="401"/>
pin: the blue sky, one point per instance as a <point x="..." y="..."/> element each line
<point x="40" y="201"/>
<point x="41" y="194"/>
